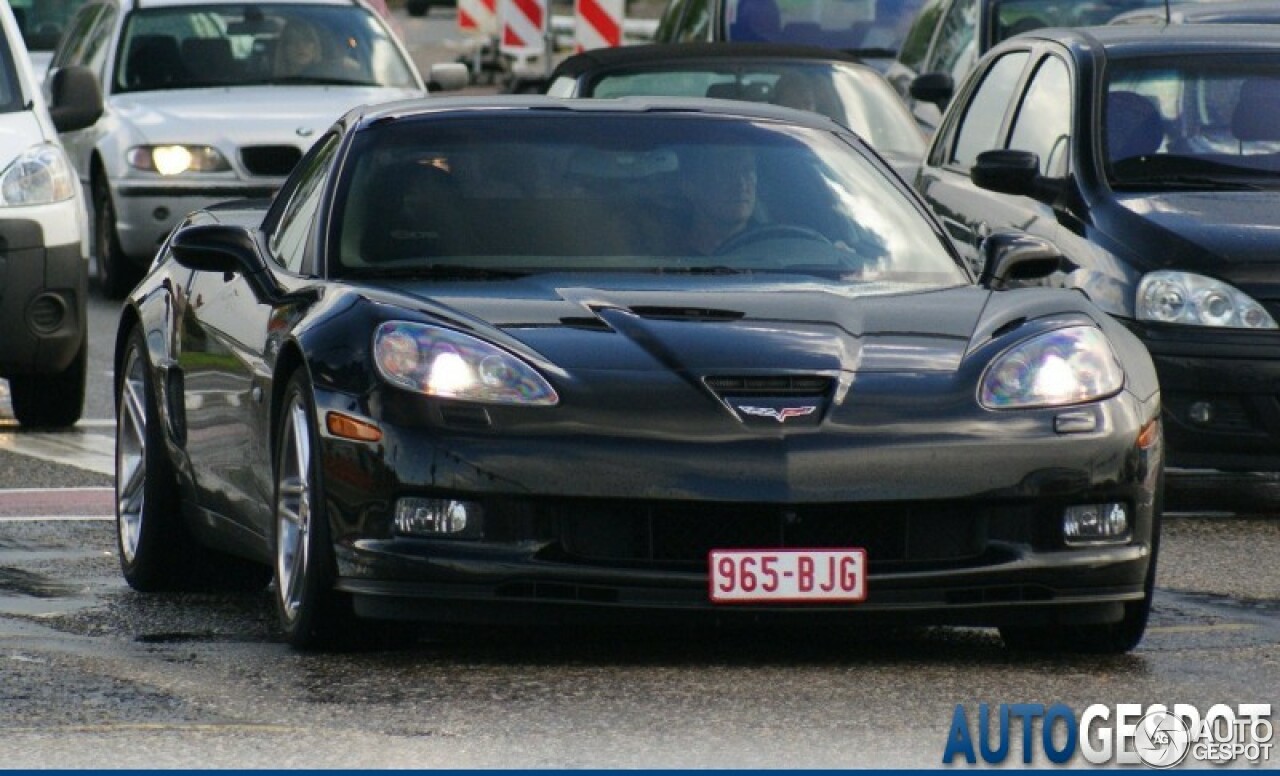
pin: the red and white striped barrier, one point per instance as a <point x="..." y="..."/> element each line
<point x="478" y="17"/>
<point x="524" y="26"/>
<point x="598" y="23"/>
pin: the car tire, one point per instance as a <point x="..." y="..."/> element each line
<point x="51" y="401"/>
<point x="1108" y="639"/>
<point x="117" y="275"/>
<point x="157" y="551"/>
<point x="313" y="615"/>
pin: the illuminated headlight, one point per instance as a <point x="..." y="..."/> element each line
<point x="1095" y="524"/>
<point x="177" y="159"/>
<point x="1182" y="297"/>
<point x="445" y="363"/>
<point x="1061" y="367"/>
<point x="438" y="517"/>
<point x="39" y="175"/>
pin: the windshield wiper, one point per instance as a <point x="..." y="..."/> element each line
<point x="714" y="269"/>
<point x="1213" y="183"/>
<point x="435" y="271"/>
<point x="315" y="80"/>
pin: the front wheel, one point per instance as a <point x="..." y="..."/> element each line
<point x="312" y="614"/>
<point x="51" y="401"/>
<point x="117" y="274"/>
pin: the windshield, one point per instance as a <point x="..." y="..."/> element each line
<point x="42" y="21"/>
<point x="857" y="97"/>
<point x="10" y="94"/>
<point x="1196" y="121"/>
<point x="530" y="193"/>
<point x="186" y="47"/>
<point x="876" y="27"/>
<point x="1014" y="16"/>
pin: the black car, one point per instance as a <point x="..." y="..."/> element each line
<point x="827" y="81"/>
<point x="531" y="359"/>
<point x="1160" y="180"/>
<point x="947" y="37"/>
<point x="871" y="30"/>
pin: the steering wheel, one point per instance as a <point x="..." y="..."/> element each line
<point x="766" y="232"/>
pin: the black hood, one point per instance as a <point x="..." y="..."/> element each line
<point x="1234" y="236"/>
<point x="644" y="322"/>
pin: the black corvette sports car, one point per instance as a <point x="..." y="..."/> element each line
<point x="530" y="359"/>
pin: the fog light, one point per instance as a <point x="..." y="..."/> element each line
<point x="1095" y="524"/>
<point x="438" y="517"/>
<point x="1200" y="412"/>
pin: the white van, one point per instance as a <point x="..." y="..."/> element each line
<point x="44" y="241"/>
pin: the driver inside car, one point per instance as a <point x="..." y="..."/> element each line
<point x="720" y="186"/>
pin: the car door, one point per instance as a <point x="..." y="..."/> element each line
<point x="228" y="353"/>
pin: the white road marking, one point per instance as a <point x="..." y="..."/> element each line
<point x="82" y="449"/>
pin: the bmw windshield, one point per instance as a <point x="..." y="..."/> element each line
<point x="194" y="46"/>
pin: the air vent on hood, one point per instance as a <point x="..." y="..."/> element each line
<point x="687" y="313"/>
<point x="772" y="385"/>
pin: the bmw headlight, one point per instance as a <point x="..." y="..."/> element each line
<point x="40" y="175"/>
<point x="1061" y="367"/>
<point x="177" y="159"/>
<point x="1166" y="296"/>
<point x="445" y="363"/>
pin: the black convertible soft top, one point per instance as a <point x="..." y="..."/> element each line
<point x="675" y="52"/>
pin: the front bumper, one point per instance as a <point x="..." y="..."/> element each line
<point x="147" y="211"/>
<point x="960" y="525"/>
<point x="1221" y="396"/>
<point x="42" y="297"/>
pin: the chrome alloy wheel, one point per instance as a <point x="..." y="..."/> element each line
<point x="293" y="509"/>
<point x="131" y="454"/>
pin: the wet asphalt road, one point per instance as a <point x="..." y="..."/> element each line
<point x="94" y="675"/>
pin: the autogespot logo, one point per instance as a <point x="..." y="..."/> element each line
<point x="1157" y="736"/>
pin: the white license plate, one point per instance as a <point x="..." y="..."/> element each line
<point x="779" y="576"/>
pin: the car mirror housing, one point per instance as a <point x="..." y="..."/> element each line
<point x="936" y="88"/>
<point x="1018" y="256"/>
<point x="1007" y="171"/>
<point x="216" y="248"/>
<point x="75" y="98"/>
<point x="448" y="77"/>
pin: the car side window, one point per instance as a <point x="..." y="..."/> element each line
<point x="288" y="240"/>
<point x="695" y="25"/>
<point x="984" y="115"/>
<point x="916" y="44"/>
<point x="669" y="23"/>
<point x="1043" y="124"/>
<point x="94" y="53"/>
<point x="956" y="44"/>
<point x="68" y="52"/>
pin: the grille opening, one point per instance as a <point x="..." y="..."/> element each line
<point x="773" y="385"/>
<point x="273" y="161"/>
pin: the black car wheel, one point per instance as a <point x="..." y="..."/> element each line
<point x="312" y="613"/>
<point x="157" y="551"/>
<point x="51" y="401"/>
<point x="116" y="273"/>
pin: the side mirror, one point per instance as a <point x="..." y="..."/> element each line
<point x="936" y="88"/>
<point x="1007" y="171"/>
<point x="1018" y="256"/>
<point x="448" y="77"/>
<point x="226" y="249"/>
<point x="75" y="98"/>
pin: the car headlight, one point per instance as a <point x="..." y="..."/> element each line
<point x="39" y="175"/>
<point x="1065" y="366"/>
<point x="445" y="363"/>
<point x="177" y="159"/>
<point x="1182" y="297"/>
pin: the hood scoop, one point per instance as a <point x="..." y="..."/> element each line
<point x="664" y="313"/>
